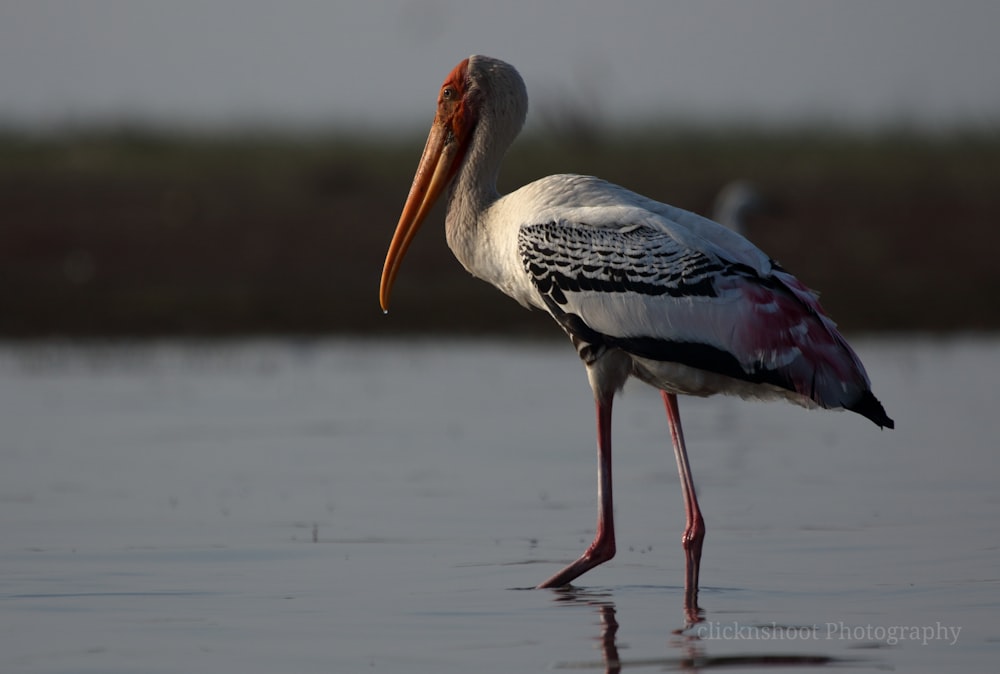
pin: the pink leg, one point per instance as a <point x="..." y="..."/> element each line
<point x="603" y="547"/>
<point x="694" y="531"/>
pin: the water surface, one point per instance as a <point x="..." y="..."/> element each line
<point x="380" y="506"/>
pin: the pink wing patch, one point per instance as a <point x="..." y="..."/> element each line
<point x="785" y="329"/>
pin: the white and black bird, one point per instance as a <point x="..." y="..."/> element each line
<point x="643" y="289"/>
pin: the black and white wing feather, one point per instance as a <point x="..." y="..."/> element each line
<point x="667" y="293"/>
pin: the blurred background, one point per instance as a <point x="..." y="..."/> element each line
<point x="237" y="166"/>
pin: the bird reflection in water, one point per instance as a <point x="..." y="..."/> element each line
<point x="603" y="603"/>
<point x="692" y="650"/>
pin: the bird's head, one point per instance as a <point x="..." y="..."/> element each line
<point x="478" y="88"/>
<point x="446" y="146"/>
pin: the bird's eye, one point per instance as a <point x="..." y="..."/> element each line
<point x="447" y="93"/>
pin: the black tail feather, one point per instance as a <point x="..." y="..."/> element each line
<point x="868" y="406"/>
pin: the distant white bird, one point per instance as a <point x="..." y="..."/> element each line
<point x="735" y="203"/>
<point x="643" y="289"/>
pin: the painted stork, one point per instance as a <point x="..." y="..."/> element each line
<point x="643" y="289"/>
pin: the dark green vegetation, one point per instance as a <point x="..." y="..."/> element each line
<point x="136" y="233"/>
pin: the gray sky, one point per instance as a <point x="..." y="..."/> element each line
<point x="223" y="62"/>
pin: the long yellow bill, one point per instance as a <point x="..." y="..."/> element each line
<point x="433" y="174"/>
